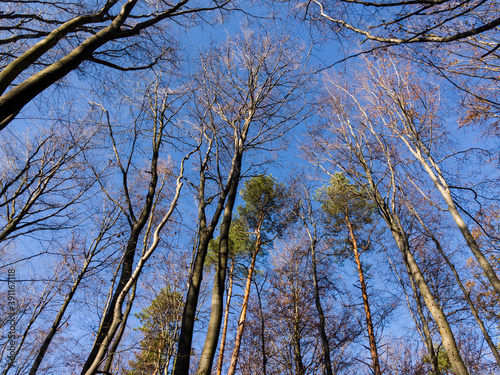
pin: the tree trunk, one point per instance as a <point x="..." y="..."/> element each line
<point x="443" y="187"/>
<point x="246" y="297"/>
<point x="449" y="342"/>
<point x="16" y="98"/>
<point x="205" y="233"/>
<point x="113" y="315"/>
<point x="322" y="331"/>
<point x="114" y="346"/>
<point x="472" y="307"/>
<point x="297" y="350"/>
<point x="214" y="325"/>
<point x="226" y="319"/>
<point x="425" y="325"/>
<point x="262" y="333"/>
<point x="399" y="235"/>
<point x="369" y="323"/>
<point x="181" y="366"/>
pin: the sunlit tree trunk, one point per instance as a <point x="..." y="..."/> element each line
<point x="246" y="297"/>
<point x="369" y="323"/>
<point x="220" y="361"/>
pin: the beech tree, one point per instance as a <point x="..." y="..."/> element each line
<point x="454" y="40"/>
<point x="141" y="212"/>
<point x="306" y="214"/>
<point x="44" y="41"/>
<point x="41" y="179"/>
<point x="412" y="118"/>
<point x="250" y="97"/>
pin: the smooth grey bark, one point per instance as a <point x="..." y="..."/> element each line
<point x="112" y="350"/>
<point x="424" y="331"/>
<point x="113" y="316"/>
<point x="214" y="325"/>
<point x="410" y="134"/>
<point x="356" y="142"/>
<point x="220" y="361"/>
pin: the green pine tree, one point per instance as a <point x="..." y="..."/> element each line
<point x="160" y="328"/>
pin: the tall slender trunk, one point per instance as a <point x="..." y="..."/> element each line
<point x="399" y="235"/>
<point x="436" y="175"/>
<point x="425" y="331"/>
<point x="220" y="361"/>
<point x="244" y="306"/>
<point x="182" y="360"/>
<point x="356" y="140"/>
<point x="262" y="333"/>
<point x="317" y="300"/>
<point x="114" y="346"/>
<point x="113" y="315"/>
<point x="205" y="234"/>
<point x="214" y="325"/>
<point x="472" y="307"/>
<point x="466" y="293"/>
<point x="297" y="349"/>
<point x="437" y="313"/>
<point x="369" y="323"/>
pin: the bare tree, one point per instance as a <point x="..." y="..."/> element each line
<point x="42" y="177"/>
<point x="44" y="41"/>
<point x="310" y="224"/>
<point x="405" y="22"/>
<point x="365" y="155"/>
<point x="159" y="108"/>
<point x="457" y="41"/>
<point x="412" y="117"/>
<point x="250" y="98"/>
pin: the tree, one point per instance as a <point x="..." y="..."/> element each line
<point x="250" y="96"/>
<point x="367" y="156"/>
<point x="160" y="108"/>
<point x="45" y="41"/>
<point x="160" y="328"/>
<point x="264" y="199"/>
<point x="456" y="41"/>
<point x="406" y="22"/>
<point x="416" y="114"/>
<point x="42" y="178"/>
<point x="347" y="206"/>
<point x="239" y="245"/>
<point x="305" y="212"/>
